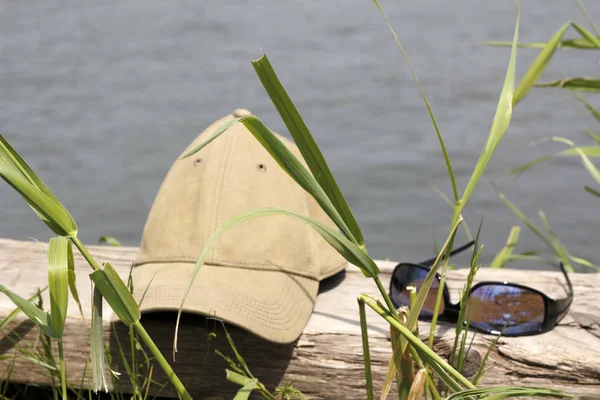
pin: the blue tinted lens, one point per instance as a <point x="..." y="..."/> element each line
<point x="516" y="310"/>
<point x="407" y="275"/>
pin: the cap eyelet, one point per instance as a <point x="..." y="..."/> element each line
<point x="262" y="167"/>
<point x="197" y="162"/>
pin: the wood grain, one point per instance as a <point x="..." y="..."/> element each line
<point x="326" y="362"/>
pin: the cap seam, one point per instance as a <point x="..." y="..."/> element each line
<point x="219" y="190"/>
<point x="231" y="264"/>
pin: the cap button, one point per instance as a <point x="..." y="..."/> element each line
<point x="241" y="112"/>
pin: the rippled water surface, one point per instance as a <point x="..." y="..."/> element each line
<point x="101" y="99"/>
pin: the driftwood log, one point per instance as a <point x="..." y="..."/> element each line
<point x="326" y="362"/>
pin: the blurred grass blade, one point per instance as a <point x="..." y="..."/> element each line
<point x="592" y="191"/>
<point x="417" y="389"/>
<point x="539" y="64"/>
<point x="580" y="44"/>
<point x="587" y="35"/>
<point x="593" y="111"/>
<point x="39" y="317"/>
<point x="592" y="169"/>
<point x="99" y="380"/>
<point x="589" y="151"/>
<point x="505" y="392"/>
<point x="306" y="143"/>
<point x="15" y="171"/>
<point x="584" y="262"/>
<point x="559" y="249"/>
<point x="594" y="136"/>
<point x="525" y="220"/>
<point x="220" y="130"/>
<point x="58" y="281"/>
<point x="499" y="124"/>
<point x="581" y="84"/>
<point x="114" y="290"/>
<point x="504" y="255"/>
<point x="111" y="241"/>
<point x="427" y="105"/>
<point x="585" y="12"/>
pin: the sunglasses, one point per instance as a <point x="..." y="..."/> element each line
<point x="503" y="308"/>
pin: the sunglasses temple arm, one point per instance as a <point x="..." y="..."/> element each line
<point x="431" y="261"/>
<point x="562" y="267"/>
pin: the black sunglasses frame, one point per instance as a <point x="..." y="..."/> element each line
<point x="555" y="309"/>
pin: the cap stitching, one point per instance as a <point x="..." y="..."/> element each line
<point x="225" y="164"/>
<point x="229" y="264"/>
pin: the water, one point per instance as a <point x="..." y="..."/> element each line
<point x="101" y="98"/>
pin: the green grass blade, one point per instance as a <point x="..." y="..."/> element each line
<point x="4" y="322"/>
<point x="451" y="205"/>
<point x="244" y="392"/>
<point x="73" y="278"/>
<point x="99" y="380"/>
<point x="505" y="392"/>
<point x="504" y="255"/>
<point x="499" y="124"/>
<point x="306" y="143"/>
<point x="366" y="351"/>
<point x="54" y="216"/>
<point x="220" y="130"/>
<point x="539" y="64"/>
<point x="347" y="249"/>
<point x="292" y="166"/>
<point x="58" y="281"/>
<point x="429" y="109"/>
<point x="417" y="305"/>
<point x="479" y="375"/>
<point x="582" y="84"/>
<point x="17" y="173"/>
<point x="39" y="317"/>
<point x="587" y="35"/>
<point x="114" y="290"/>
<point x="449" y="375"/>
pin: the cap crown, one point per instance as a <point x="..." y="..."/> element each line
<point x="231" y="175"/>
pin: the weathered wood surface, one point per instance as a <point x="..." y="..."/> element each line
<point x="329" y="351"/>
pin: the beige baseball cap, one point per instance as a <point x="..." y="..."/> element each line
<point x="263" y="274"/>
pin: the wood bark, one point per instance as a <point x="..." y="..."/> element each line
<point x="326" y="361"/>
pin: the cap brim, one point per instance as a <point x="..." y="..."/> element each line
<point x="271" y="304"/>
